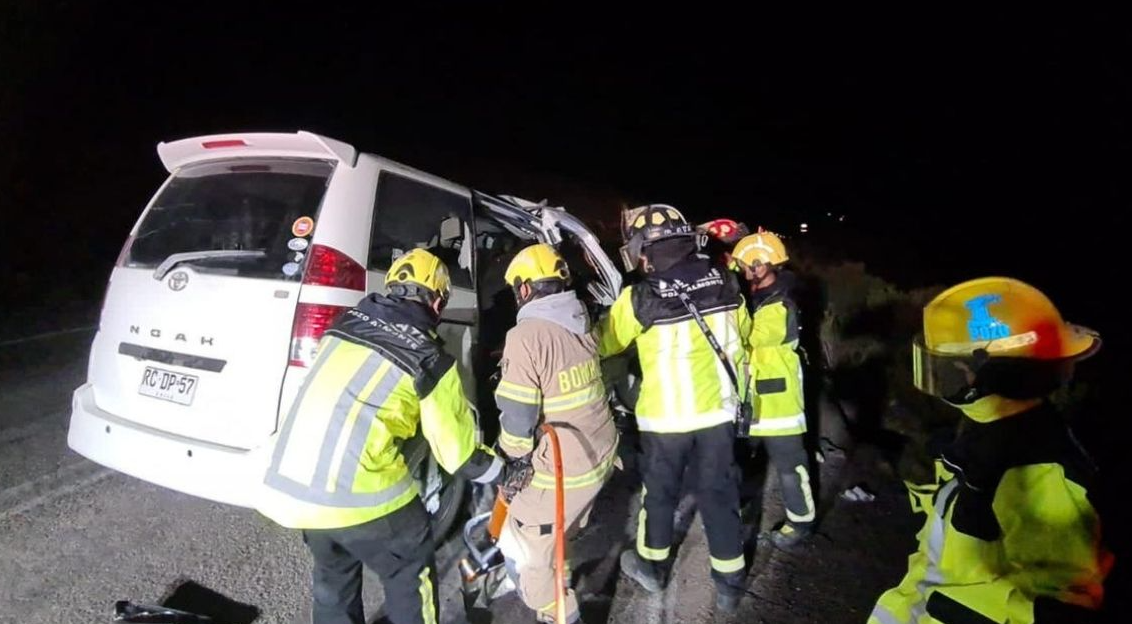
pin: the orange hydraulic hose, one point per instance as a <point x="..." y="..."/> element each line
<point x="559" y="529"/>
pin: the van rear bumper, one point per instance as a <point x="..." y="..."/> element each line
<point x="216" y="472"/>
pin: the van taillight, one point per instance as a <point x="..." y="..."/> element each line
<point x="311" y="321"/>
<point x="327" y="266"/>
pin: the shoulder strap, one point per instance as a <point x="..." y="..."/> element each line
<point x="695" y="312"/>
<point x="744" y="417"/>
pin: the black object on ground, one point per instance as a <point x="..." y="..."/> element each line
<point x="189" y="603"/>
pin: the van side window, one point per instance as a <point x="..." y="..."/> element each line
<point x="410" y="214"/>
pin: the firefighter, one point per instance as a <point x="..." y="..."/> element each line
<point x="687" y="405"/>
<point x="776" y="373"/>
<point x="1010" y="536"/>
<point x="550" y="374"/>
<point x="336" y="471"/>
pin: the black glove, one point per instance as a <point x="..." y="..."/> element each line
<point x="517" y="474"/>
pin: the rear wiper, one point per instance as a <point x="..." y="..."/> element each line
<point x="177" y="258"/>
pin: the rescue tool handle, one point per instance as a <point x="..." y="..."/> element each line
<point x="559" y="529"/>
<point x="482" y="558"/>
<point x="744" y="417"/>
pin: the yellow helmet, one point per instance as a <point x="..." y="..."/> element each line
<point x="761" y="248"/>
<point x="418" y="270"/>
<point x="534" y="264"/>
<point x="996" y="335"/>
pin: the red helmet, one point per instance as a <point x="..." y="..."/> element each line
<point x="725" y="231"/>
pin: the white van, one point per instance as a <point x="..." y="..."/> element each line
<point x="243" y="258"/>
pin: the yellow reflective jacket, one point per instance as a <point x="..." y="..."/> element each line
<point x="1010" y="533"/>
<point x="684" y="385"/>
<point x="776" y="370"/>
<point x="379" y="373"/>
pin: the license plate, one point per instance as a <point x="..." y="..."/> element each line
<point x="168" y="386"/>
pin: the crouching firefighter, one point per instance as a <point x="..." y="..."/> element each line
<point x="776" y="371"/>
<point x="1011" y="536"/>
<point x="336" y="471"/>
<point x="550" y="375"/>
<point x="688" y="402"/>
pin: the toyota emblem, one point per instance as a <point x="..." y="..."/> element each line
<point x="178" y="280"/>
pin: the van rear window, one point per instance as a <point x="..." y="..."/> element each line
<point x="249" y="205"/>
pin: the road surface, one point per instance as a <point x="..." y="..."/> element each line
<point x="76" y="537"/>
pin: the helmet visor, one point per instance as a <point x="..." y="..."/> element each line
<point x="631" y="255"/>
<point x="961" y="377"/>
<point x="943" y="375"/>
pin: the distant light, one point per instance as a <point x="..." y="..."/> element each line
<point x="805" y="227"/>
<point x="841" y="218"/>
<point x="829" y="214"/>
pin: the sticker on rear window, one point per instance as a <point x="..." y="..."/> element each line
<point x="298" y="257"/>
<point x="290" y="268"/>
<point x="297" y="244"/>
<point x="302" y="226"/>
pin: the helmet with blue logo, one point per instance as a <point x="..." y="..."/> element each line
<point x="996" y="335"/>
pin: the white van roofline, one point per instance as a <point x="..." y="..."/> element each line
<point x="301" y="144"/>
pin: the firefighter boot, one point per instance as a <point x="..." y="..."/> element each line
<point x="791" y="534"/>
<point x="650" y="575"/>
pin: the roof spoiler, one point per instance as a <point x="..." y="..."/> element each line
<point x="302" y="144"/>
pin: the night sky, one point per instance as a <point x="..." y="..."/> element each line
<point x="955" y="145"/>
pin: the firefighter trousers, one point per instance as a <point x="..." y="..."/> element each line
<point x="398" y="547"/>
<point x="788" y="455"/>
<point x="527" y="543"/>
<point x="709" y="454"/>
